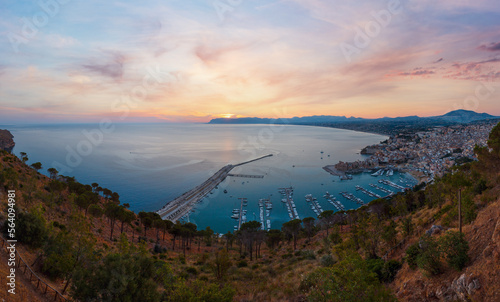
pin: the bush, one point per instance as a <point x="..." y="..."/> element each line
<point x="309" y="255"/>
<point x="430" y="255"/>
<point x="31" y="229"/>
<point x="349" y="280"/>
<point x="198" y="291"/>
<point x="192" y="271"/>
<point x="390" y="270"/>
<point x="412" y="254"/>
<point x="455" y="248"/>
<point x="242" y="263"/>
<point x="286" y="256"/>
<point x="327" y="261"/>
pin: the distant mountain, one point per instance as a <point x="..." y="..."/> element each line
<point x="464" y="116"/>
<point x="295" y="120"/>
<point x="457" y="116"/>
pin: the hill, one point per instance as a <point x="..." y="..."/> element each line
<point x="463" y="116"/>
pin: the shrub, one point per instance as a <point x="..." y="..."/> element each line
<point x="455" y="248"/>
<point x="430" y="255"/>
<point x="192" y="271"/>
<point x="412" y="254"/>
<point x="390" y="270"/>
<point x="309" y="255"/>
<point x="349" y="280"/>
<point x="31" y="229"/>
<point x="327" y="261"/>
<point x="242" y="263"/>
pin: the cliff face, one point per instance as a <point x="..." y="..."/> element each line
<point x="477" y="282"/>
<point x="6" y="140"/>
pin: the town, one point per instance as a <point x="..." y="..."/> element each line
<point x="424" y="154"/>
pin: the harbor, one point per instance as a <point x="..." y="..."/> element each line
<point x="355" y="190"/>
<point x="182" y="205"/>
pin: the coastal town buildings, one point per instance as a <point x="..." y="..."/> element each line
<point x="427" y="153"/>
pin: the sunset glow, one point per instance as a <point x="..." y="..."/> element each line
<point x="187" y="61"/>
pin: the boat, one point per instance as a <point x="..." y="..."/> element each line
<point x="225" y="191"/>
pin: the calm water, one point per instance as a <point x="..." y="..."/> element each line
<point x="150" y="164"/>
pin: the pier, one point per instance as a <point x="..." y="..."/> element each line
<point x="246" y="175"/>
<point x="390" y="183"/>
<point x="242" y="219"/>
<point x="367" y="192"/>
<point x="288" y="200"/>
<point x="182" y="205"/>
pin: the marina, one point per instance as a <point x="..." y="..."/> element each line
<point x="367" y="192"/>
<point x="182" y="205"/>
<point x="313" y="202"/>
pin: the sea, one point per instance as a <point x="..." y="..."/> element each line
<point x="149" y="165"/>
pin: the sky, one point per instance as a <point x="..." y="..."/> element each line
<point x="194" y="60"/>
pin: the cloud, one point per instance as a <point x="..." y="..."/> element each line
<point x="440" y="59"/>
<point x="490" y="47"/>
<point x="112" y="69"/>
<point x="417" y="73"/>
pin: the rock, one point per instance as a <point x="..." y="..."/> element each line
<point x="435" y="229"/>
<point x="477" y="285"/>
<point x="6" y="140"/>
<point x="463" y="287"/>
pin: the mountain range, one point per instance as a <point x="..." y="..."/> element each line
<point x="456" y="116"/>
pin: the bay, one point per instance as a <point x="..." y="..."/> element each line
<point x="151" y="164"/>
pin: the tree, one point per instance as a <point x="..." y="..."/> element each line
<point x="389" y="234"/>
<point x="37" y="166"/>
<point x="407" y="226"/>
<point x="107" y="193"/>
<point x="95" y="210"/>
<point x="248" y="232"/>
<point x="167" y="225"/>
<point x="24" y="157"/>
<point x="65" y="251"/>
<point x="229" y="239"/>
<point x="455" y="248"/>
<point x="273" y="238"/>
<point x="126" y="217"/>
<point x="83" y="202"/>
<point x="112" y="211"/>
<point x="175" y="231"/>
<point x="94" y="186"/>
<point x="308" y="226"/>
<point x="53" y="173"/>
<point x="326" y="218"/>
<point x="221" y="263"/>
<point x="292" y="228"/>
<point x="146" y="220"/>
<point x="158" y="224"/>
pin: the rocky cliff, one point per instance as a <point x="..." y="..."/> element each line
<point x="6" y="140"/>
